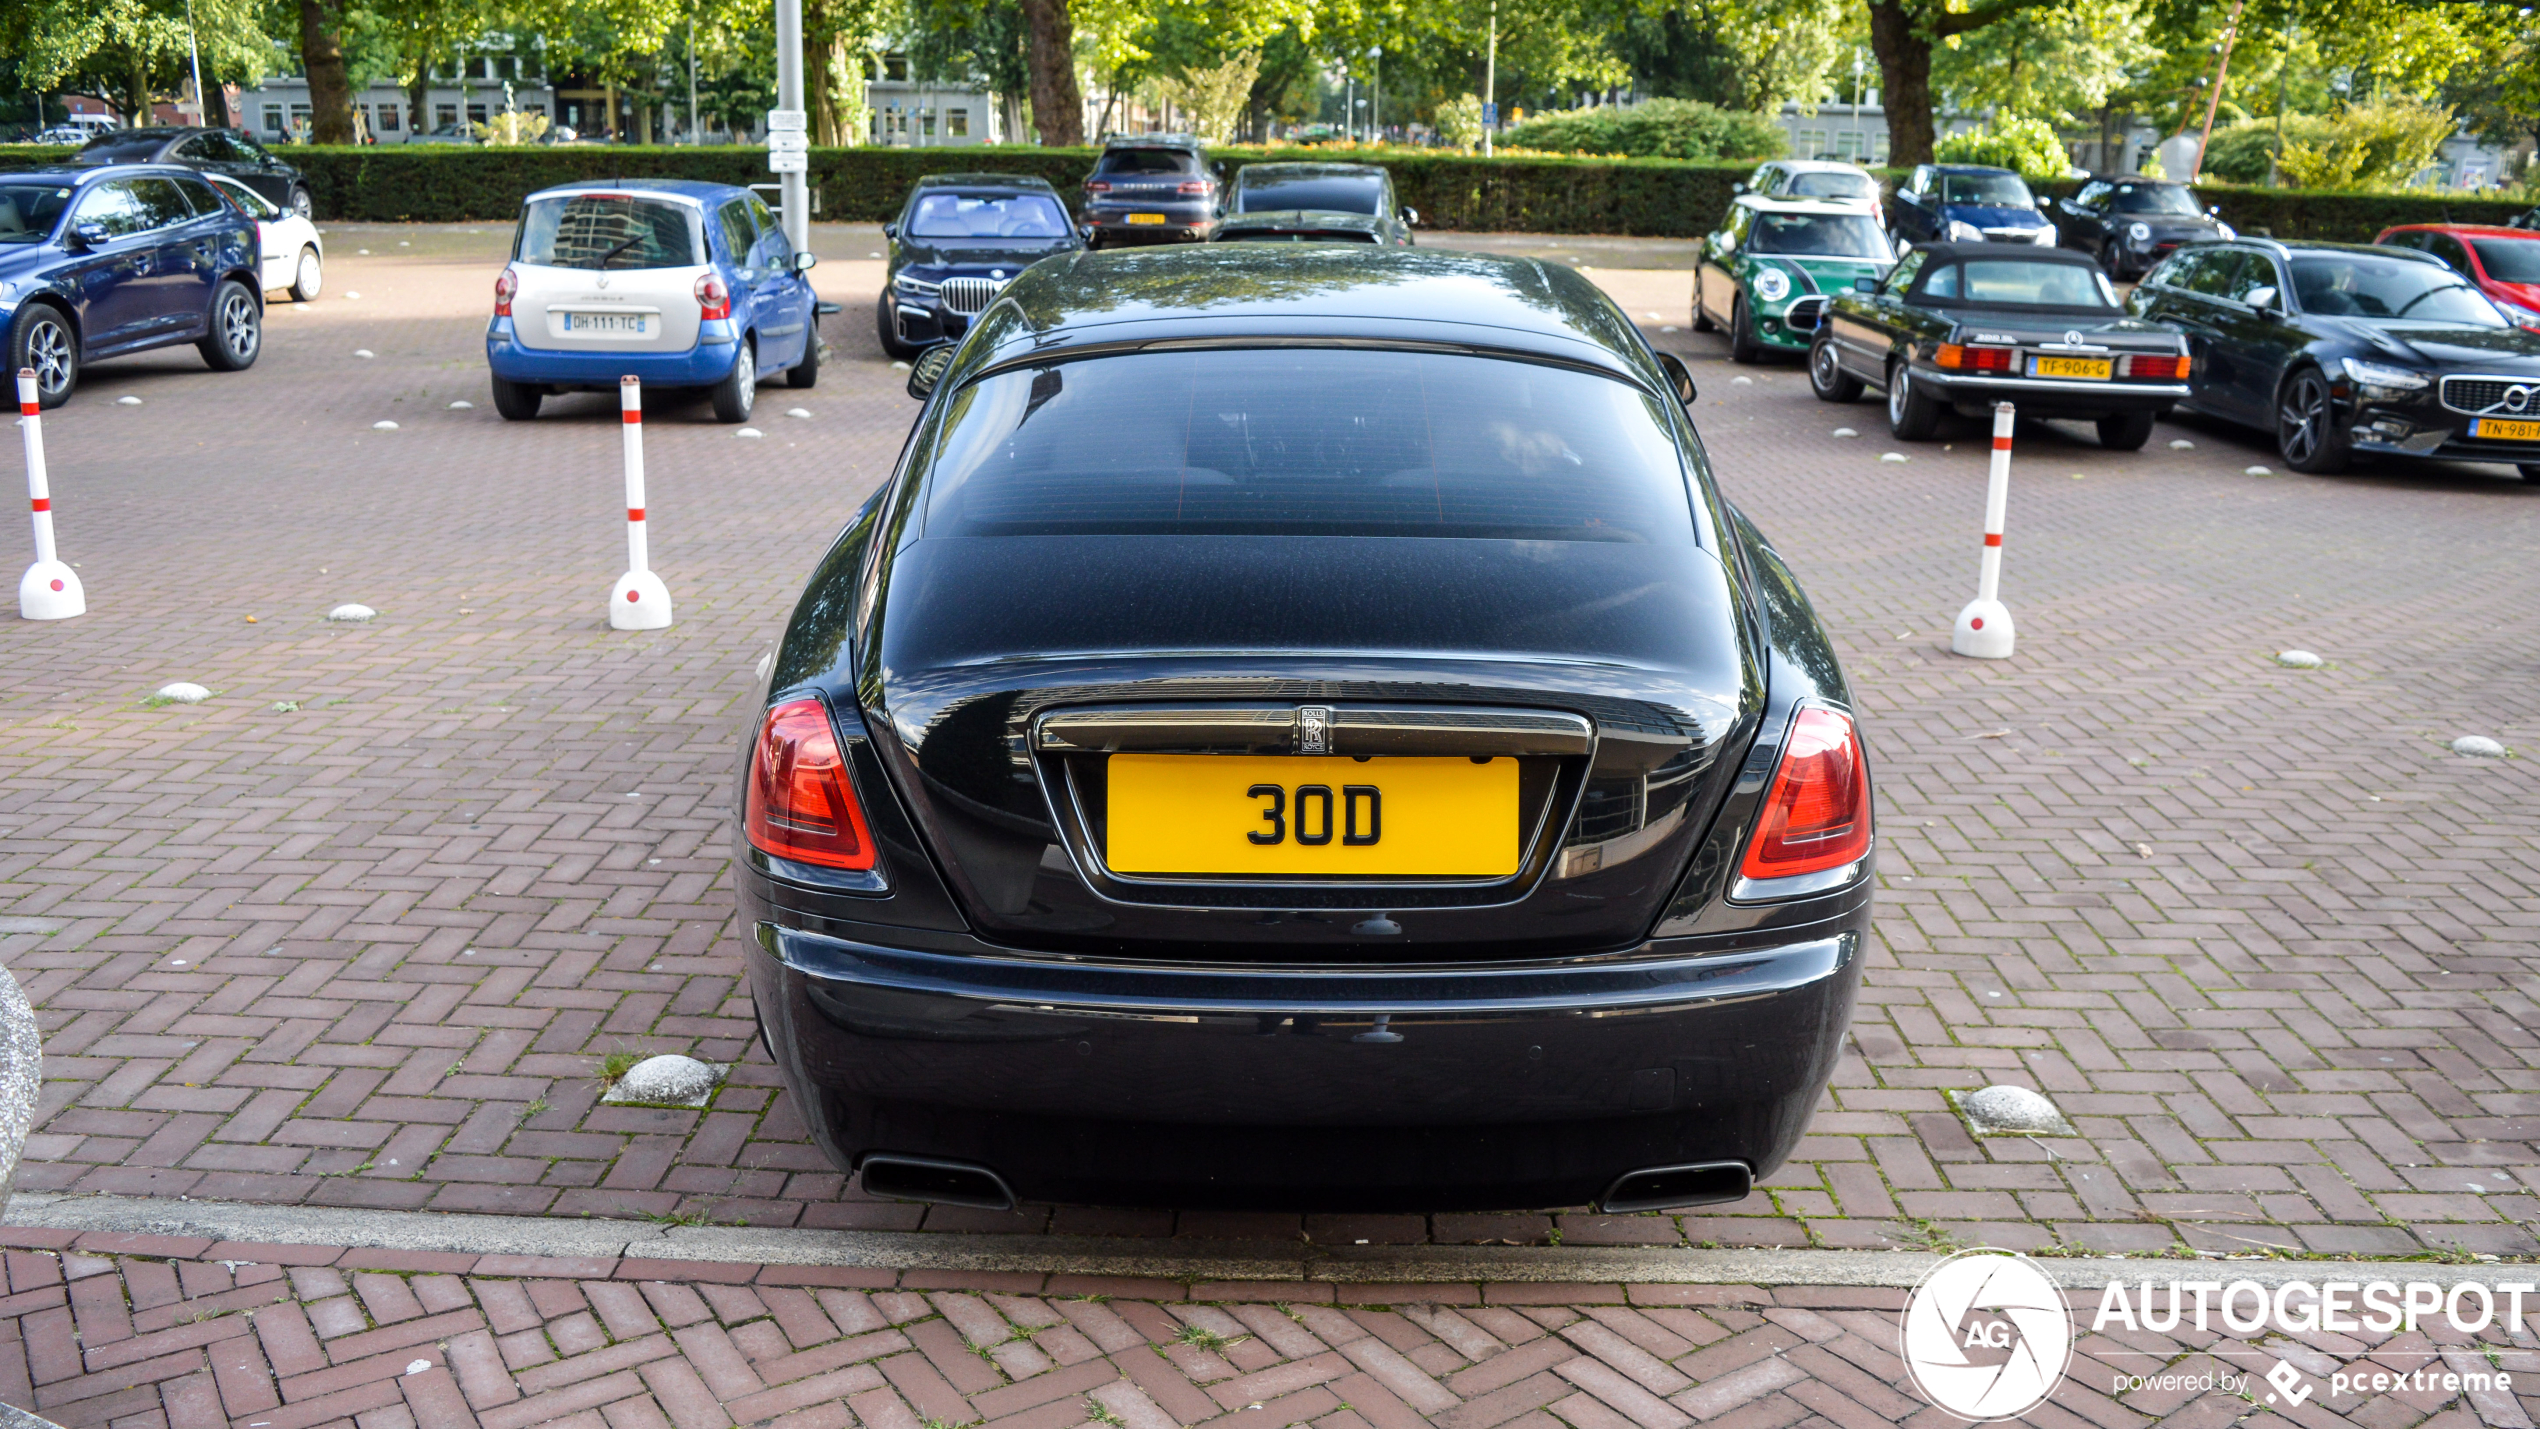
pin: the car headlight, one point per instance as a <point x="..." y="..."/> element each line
<point x="1772" y="285"/>
<point x="915" y="287"/>
<point x="2043" y="236"/>
<point x="1961" y="231"/>
<point x="2381" y="380"/>
<point x="2224" y="231"/>
<point x="2139" y="234"/>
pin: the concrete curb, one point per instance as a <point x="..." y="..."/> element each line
<point x="21" y="1076"/>
<point x="1089" y="1255"/>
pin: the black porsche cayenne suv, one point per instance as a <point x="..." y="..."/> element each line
<point x="1405" y="782"/>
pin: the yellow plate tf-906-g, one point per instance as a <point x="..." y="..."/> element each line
<point x="2096" y="368"/>
<point x="1239" y="816"/>
<point x="2504" y="430"/>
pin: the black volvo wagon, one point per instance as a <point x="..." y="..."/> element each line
<point x="1301" y="728"/>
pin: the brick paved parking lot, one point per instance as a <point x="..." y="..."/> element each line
<point x="357" y="931"/>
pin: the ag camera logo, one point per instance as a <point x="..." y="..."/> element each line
<point x="1987" y="1336"/>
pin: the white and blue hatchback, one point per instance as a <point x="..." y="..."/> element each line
<point x="674" y="282"/>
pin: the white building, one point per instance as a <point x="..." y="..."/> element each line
<point x="277" y="111"/>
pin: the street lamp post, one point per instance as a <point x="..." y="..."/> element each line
<point x="193" y="54"/>
<point x="1376" y="97"/>
<point x="794" y="196"/>
<point x="1490" y="81"/>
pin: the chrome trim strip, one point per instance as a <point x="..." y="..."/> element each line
<point x="1271" y="729"/>
<point x="1775" y="890"/>
<point x="1942" y="379"/>
<point x="2530" y="409"/>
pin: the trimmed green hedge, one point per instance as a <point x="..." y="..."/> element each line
<point x="1669" y="198"/>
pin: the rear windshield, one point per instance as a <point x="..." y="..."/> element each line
<point x="609" y="231"/>
<point x="1150" y="161"/>
<point x="2008" y="282"/>
<point x="1273" y="235"/>
<point x="1985" y="190"/>
<point x="2153" y="198"/>
<point x="29" y="211"/>
<point x="2358" y="285"/>
<point x="2509" y="260"/>
<point x="1307" y="442"/>
<point x="1833" y="235"/>
<point x="1829" y="184"/>
<point x="1331" y="195"/>
<point x="987" y="216"/>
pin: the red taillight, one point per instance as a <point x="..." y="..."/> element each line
<point x="1817" y="814"/>
<point x="1975" y="359"/>
<point x="2168" y="369"/>
<point x="1096" y="186"/>
<point x="801" y="805"/>
<point x="713" y="299"/>
<point x="506" y="288"/>
<point x="1195" y="186"/>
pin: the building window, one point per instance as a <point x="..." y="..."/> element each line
<point x="388" y="119"/>
<point x="926" y="123"/>
<point x="299" y="120"/>
<point x="476" y="114"/>
<point x="273" y="119"/>
<point x="444" y="115"/>
<point x="957" y="123"/>
<point x="895" y="68"/>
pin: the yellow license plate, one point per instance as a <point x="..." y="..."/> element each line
<point x="2498" y="429"/>
<point x="1247" y="815"/>
<point x="1146" y="218"/>
<point x="2092" y="367"/>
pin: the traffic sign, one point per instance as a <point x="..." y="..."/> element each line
<point x="788" y="161"/>
<point x="1490" y="114"/>
<point x="785" y="119"/>
<point x="791" y="141"/>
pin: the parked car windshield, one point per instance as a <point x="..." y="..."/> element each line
<point x="1833" y="235"/>
<point x="1985" y="190"/>
<point x="1307" y="442"/>
<point x="1311" y="235"/>
<point x="1829" y="184"/>
<point x="2359" y="285"/>
<point x="1998" y="282"/>
<point x="1328" y="194"/>
<point x="2153" y="198"/>
<point x="246" y="198"/>
<point x="609" y="231"/>
<point x="28" y="210"/>
<point x="1149" y="161"/>
<point x="2509" y="260"/>
<point x="987" y="216"/>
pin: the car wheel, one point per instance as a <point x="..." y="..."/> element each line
<point x="886" y="328"/>
<point x="2126" y="431"/>
<point x="1912" y="416"/>
<point x="308" y="277"/>
<point x="737" y="393"/>
<point x="1701" y="320"/>
<point x="2306" y="427"/>
<point x="238" y="328"/>
<point x="299" y="203"/>
<point x="1742" y="344"/>
<point x="41" y="339"/>
<point x="1826" y="376"/>
<point x="517" y="401"/>
<point x="806" y="373"/>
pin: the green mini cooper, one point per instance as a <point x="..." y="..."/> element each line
<point x="1768" y="271"/>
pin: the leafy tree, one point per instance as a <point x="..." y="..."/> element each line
<point x="2369" y="146"/>
<point x="2028" y="146"/>
<point x="125" y="51"/>
<point x="1657" y="128"/>
<point x="1902" y="34"/>
<point x="2056" y="63"/>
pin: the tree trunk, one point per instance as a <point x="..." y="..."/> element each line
<point x="1058" y="107"/>
<point x="330" y="89"/>
<point x="1904" y="55"/>
<point x="418" y="96"/>
<point x="136" y="91"/>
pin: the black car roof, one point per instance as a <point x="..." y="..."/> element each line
<point x="1151" y="141"/>
<point x="984" y="181"/>
<point x="1301" y="218"/>
<point x="89" y="173"/>
<point x="2069" y="257"/>
<point x="2131" y="179"/>
<point x="1973" y="169"/>
<point x="1311" y="170"/>
<point x="1219" y="294"/>
<point x="2377" y="250"/>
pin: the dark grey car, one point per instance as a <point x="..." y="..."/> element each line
<point x="1325" y="188"/>
<point x="232" y="153"/>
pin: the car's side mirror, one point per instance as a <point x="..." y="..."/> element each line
<point x="805" y="262"/>
<point x="2213" y="210"/>
<point x="89" y="235"/>
<point x="1865" y="285"/>
<point x="1411" y="215"/>
<point x="928" y="370"/>
<point x="2263" y="298"/>
<point x="891" y="231"/>
<point x="1737" y="188"/>
<point x="1679" y="376"/>
<point x="2043" y="200"/>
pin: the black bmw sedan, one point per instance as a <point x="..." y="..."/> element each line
<point x="1966" y="325"/>
<point x="2339" y="348"/>
<point x="232" y="153"/>
<point x="959" y="238"/>
<point x="1400" y="780"/>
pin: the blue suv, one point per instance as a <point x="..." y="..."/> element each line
<point x="675" y="282"/>
<point x="98" y="263"/>
<point x="1967" y="203"/>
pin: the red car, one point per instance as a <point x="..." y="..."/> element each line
<point x="2503" y="262"/>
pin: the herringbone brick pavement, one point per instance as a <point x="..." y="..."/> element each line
<point x="141" y="1332"/>
<point x="2265" y="940"/>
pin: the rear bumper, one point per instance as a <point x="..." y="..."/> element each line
<point x="1475" y="1086"/>
<point x="703" y="365"/>
<point x="1182" y="222"/>
<point x="2049" y="396"/>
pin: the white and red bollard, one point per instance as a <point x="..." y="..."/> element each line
<point x="640" y="601"/>
<point x="50" y="589"/>
<point x="1984" y="627"/>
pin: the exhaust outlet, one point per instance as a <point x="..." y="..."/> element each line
<point x="948" y="1183"/>
<point x="1661" y="1188"/>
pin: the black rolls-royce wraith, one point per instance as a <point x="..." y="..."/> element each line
<point x="1301" y="728"/>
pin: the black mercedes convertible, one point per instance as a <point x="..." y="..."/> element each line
<point x="1301" y="728"/>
